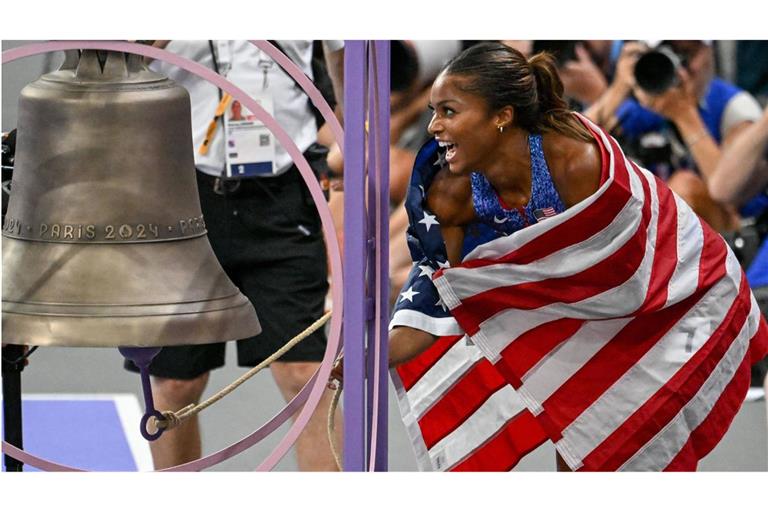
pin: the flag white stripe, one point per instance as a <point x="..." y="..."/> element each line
<point x="446" y="326"/>
<point x="652" y="371"/>
<point x="506" y="326"/>
<point x="690" y="241"/>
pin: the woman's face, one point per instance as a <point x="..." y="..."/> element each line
<point x="463" y="124"/>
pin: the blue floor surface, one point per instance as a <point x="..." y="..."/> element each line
<point x="78" y="432"/>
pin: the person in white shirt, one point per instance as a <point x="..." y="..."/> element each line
<point x="263" y="226"/>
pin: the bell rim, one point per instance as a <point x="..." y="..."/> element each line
<point x="130" y="310"/>
<point x="234" y="323"/>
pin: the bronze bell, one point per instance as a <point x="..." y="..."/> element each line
<point x="104" y="243"/>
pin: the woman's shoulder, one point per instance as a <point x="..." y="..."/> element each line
<point x="449" y="197"/>
<point x="575" y="166"/>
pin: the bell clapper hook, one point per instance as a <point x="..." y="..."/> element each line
<point x="142" y="357"/>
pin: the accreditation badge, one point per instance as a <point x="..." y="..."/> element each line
<point x="250" y="146"/>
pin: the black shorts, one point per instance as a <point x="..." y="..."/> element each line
<point x="268" y="238"/>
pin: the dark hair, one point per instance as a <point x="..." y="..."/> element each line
<point x="503" y="77"/>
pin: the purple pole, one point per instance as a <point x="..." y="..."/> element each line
<point x="354" y="256"/>
<point x="378" y="271"/>
<point x="382" y="64"/>
<point x="371" y="275"/>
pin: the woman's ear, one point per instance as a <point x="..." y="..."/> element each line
<point x="505" y="116"/>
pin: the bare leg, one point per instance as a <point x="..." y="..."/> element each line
<point x="313" y="450"/>
<point x="561" y="465"/>
<point x="181" y="444"/>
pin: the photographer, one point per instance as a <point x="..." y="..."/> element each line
<point x="263" y="226"/>
<point x="742" y="169"/>
<point x="678" y="132"/>
<point x="584" y="66"/>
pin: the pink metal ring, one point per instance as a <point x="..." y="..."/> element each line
<point x="313" y="390"/>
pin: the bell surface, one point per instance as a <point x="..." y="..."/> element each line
<point x="104" y="242"/>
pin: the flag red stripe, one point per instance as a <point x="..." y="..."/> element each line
<point x="520" y="436"/>
<point x="460" y="402"/>
<point x="665" y="255"/>
<point x="662" y="407"/>
<point x="713" y="249"/>
<point x="706" y="436"/>
<point x="412" y="371"/>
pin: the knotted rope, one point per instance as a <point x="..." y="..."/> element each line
<point x="174" y="419"/>
<point x="332" y="426"/>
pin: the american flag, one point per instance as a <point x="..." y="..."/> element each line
<point x="624" y="324"/>
<point x="543" y="213"/>
<point x="459" y="411"/>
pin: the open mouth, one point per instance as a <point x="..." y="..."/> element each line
<point x="450" y="150"/>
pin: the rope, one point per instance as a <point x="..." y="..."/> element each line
<point x="174" y="419"/>
<point x="331" y="426"/>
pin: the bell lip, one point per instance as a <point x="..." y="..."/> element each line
<point x="149" y="309"/>
<point x="235" y="323"/>
<point x="157" y="313"/>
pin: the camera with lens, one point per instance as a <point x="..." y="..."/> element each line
<point x="656" y="70"/>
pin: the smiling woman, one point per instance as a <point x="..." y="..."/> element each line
<point x="559" y="290"/>
<point x="485" y="104"/>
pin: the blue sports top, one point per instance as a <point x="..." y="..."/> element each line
<point x="419" y="304"/>
<point x="545" y="201"/>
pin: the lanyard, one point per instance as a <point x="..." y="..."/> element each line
<point x="221" y="65"/>
<point x="226" y="99"/>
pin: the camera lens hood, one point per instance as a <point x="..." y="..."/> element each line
<point x="656" y="70"/>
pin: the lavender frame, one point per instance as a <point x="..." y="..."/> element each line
<point x="312" y="392"/>
<point x="365" y="427"/>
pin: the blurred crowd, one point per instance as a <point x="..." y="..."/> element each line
<point x="691" y="112"/>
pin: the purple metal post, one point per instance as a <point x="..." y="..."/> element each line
<point x="354" y="256"/>
<point x="382" y="65"/>
<point x="371" y="274"/>
<point x="378" y="267"/>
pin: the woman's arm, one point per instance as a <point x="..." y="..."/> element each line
<point x="450" y="199"/>
<point x="742" y="169"/>
<point x="405" y="343"/>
